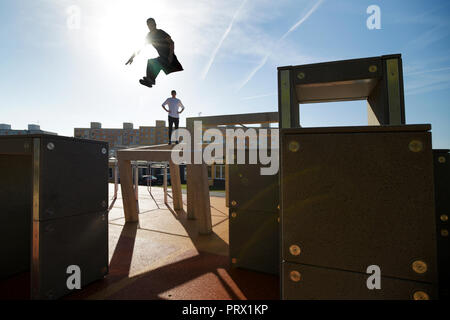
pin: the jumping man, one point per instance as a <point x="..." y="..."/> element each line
<point x="167" y="60"/>
<point x="174" y="111"/>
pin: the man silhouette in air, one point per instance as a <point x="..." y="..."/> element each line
<point x="167" y="60"/>
<point x="174" y="111"/>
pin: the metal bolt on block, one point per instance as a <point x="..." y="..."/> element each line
<point x="295" y="250"/>
<point x="295" y="276"/>
<point x="421" y="295"/>
<point x="419" y="266"/>
<point x="416" y="146"/>
<point x="294" y="146"/>
<point x="301" y="75"/>
<point x="50" y="146"/>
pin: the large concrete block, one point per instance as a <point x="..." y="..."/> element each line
<point x="254" y="240"/>
<point x="352" y="197"/>
<point x="54" y="195"/>
<point x="249" y="190"/>
<point x="305" y="282"/>
<point x="442" y="194"/>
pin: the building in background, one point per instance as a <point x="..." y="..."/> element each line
<point x="125" y="137"/>
<point x="5" y="129"/>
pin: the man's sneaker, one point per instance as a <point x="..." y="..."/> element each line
<point x="145" y="83"/>
<point x="149" y="80"/>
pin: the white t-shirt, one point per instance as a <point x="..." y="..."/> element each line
<point x="174" y="104"/>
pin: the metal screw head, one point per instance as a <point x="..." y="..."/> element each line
<point x="442" y="159"/>
<point x="444" y="232"/>
<point x="50" y="146"/>
<point x="421" y="295"/>
<point x="295" y="250"/>
<point x="373" y="68"/>
<point x="104" y="150"/>
<point x="278" y="219"/>
<point x="294" y="146"/>
<point x="233" y="260"/>
<point x="419" y="266"/>
<point x="416" y="146"/>
<point x="295" y="276"/>
<point x="444" y="217"/>
<point x="278" y="207"/>
<point x="301" y="75"/>
<point x="233" y="203"/>
<point x="233" y="215"/>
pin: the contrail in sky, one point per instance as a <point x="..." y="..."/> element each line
<point x="295" y="26"/>
<point x="260" y="96"/>
<point x="213" y="56"/>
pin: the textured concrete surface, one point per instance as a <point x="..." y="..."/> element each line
<point x="165" y="258"/>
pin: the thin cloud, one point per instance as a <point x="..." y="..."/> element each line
<point x="294" y="27"/>
<point x="427" y="71"/>
<point x="260" y="96"/>
<point x="224" y="36"/>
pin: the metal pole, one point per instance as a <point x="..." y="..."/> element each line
<point x="136" y="181"/>
<point x="165" y="183"/>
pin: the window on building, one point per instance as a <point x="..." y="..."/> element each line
<point x="219" y="171"/>
<point x="209" y="172"/>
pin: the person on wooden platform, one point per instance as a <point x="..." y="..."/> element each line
<point x="174" y="111"/>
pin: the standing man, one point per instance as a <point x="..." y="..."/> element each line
<point x="174" y="105"/>
<point x="167" y="60"/>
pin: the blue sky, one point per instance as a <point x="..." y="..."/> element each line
<point x="63" y="77"/>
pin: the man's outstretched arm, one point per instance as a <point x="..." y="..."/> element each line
<point x="130" y="61"/>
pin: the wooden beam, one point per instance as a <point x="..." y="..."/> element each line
<point x="235" y="119"/>
<point x="148" y="155"/>
<point x="190" y="183"/>
<point x="175" y="181"/>
<point x="128" y="196"/>
<point x="202" y="201"/>
<point x="165" y="184"/>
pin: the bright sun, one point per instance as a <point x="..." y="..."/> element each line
<point x="122" y="28"/>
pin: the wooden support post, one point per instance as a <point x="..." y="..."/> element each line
<point x="190" y="191"/>
<point x="201" y="198"/>
<point x="128" y="196"/>
<point x="136" y="185"/>
<point x="175" y="181"/>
